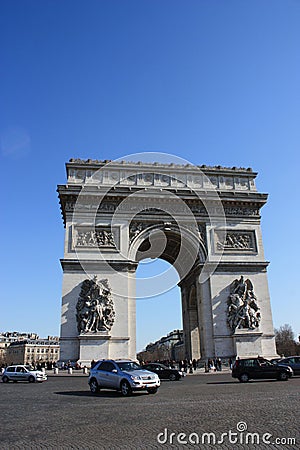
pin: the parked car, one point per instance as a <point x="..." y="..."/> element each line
<point x="123" y="375"/>
<point x="291" y="361"/>
<point x="23" y="373"/>
<point x="259" y="368"/>
<point x="275" y="360"/>
<point x="164" y="372"/>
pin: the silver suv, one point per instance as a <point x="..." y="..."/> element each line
<point x="122" y="375"/>
<point x="23" y="373"/>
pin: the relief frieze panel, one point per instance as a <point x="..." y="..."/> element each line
<point x="88" y="237"/>
<point x="198" y="209"/>
<point x="235" y="241"/>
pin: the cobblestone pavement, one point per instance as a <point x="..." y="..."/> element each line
<point x="62" y="414"/>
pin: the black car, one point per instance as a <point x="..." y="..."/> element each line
<point x="164" y="372"/>
<point x="291" y="361"/>
<point x="259" y="368"/>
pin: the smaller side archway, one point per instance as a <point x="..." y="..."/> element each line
<point x="190" y="320"/>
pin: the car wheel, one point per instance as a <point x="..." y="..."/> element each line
<point x="94" y="387"/>
<point x="244" y="378"/>
<point x="152" y="390"/>
<point x="125" y="389"/>
<point x="31" y="379"/>
<point x="5" y="379"/>
<point x="172" y="377"/>
<point x="283" y="376"/>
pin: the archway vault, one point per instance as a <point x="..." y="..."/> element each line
<point x="182" y="248"/>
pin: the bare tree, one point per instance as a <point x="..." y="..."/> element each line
<point x="285" y="341"/>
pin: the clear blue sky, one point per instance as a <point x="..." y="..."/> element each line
<point x="215" y="82"/>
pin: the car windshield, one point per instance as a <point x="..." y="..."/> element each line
<point x="128" y="365"/>
<point x="27" y="367"/>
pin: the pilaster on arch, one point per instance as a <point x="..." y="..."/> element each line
<point x="197" y="315"/>
<point x="190" y="318"/>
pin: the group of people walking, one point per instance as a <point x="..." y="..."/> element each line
<point x="214" y="365"/>
<point x="188" y="365"/>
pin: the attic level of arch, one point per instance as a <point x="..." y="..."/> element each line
<point x="121" y="173"/>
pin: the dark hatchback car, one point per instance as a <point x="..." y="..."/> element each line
<point x="291" y="361"/>
<point x="259" y="368"/>
<point x="164" y="372"/>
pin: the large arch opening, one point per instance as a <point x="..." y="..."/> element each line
<point x="166" y="292"/>
<point x="161" y="314"/>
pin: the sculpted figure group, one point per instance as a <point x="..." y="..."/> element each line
<point x="243" y="310"/>
<point x="95" y="238"/>
<point x="95" y="309"/>
<point x="241" y="241"/>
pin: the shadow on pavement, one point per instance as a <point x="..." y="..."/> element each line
<point x="105" y="394"/>
<point x="248" y="382"/>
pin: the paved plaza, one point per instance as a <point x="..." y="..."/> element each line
<point x="62" y="414"/>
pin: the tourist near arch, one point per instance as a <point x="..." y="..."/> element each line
<point x="205" y="221"/>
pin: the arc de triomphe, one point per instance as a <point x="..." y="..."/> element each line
<point x="205" y="221"/>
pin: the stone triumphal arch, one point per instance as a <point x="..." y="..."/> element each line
<point x="205" y="221"/>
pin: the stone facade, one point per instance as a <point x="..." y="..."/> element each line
<point x="167" y="348"/>
<point x="205" y="221"/>
<point x="32" y="350"/>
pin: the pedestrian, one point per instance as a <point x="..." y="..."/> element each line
<point x="185" y="365"/>
<point x="209" y="364"/>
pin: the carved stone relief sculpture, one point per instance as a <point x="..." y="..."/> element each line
<point x="136" y="228"/>
<point x="242" y="310"/>
<point x="94" y="308"/>
<point x="236" y="240"/>
<point x="95" y="238"/>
